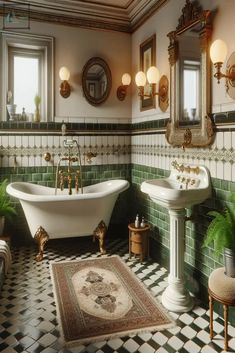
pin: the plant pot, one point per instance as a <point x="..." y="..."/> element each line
<point x="229" y="262"/>
<point x="37" y="116"/>
<point x="2" y="223"/>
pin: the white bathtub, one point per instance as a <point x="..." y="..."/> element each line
<point x="64" y="215"/>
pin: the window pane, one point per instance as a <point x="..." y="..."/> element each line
<point x="26" y="73"/>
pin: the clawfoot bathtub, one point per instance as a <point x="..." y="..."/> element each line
<point x="62" y="215"/>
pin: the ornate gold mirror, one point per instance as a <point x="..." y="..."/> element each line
<point x="190" y="124"/>
<point x="96" y="81"/>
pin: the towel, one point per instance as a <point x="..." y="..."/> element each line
<point x="5" y="254"/>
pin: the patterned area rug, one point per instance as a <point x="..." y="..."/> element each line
<point x="102" y="298"/>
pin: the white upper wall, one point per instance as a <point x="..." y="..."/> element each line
<point x="165" y="21"/>
<point x="73" y="48"/>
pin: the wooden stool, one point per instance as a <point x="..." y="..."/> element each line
<point x="138" y="241"/>
<point x="222" y="289"/>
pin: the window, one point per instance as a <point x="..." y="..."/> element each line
<point x="25" y="79"/>
<point x="27" y="70"/>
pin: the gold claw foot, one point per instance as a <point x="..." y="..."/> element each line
<point x="41" y="237"/>
<point x="100" y="233"/>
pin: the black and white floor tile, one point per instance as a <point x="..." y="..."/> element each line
<point x="28" y="317"/>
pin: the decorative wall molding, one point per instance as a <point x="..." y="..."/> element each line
<point x="122" y="17"/>
<point x="223" y="120"/>
<point x="101" y="150"/>
<point x="222" y="155"/>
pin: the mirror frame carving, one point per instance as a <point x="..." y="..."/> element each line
<point x="191" y="136"/>
<point x="96" y="61"/>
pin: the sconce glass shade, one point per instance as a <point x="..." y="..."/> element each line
<point x="140" y="79"/>
<point x="218" y="51"/>
<point x="153" y="74"/>
<point x="126" y="79"/>
<point x="64" y="73"/>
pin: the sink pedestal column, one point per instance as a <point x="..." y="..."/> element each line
<point x="176" y="297"/>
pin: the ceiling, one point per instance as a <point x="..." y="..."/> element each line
<point x="117" y="15"/>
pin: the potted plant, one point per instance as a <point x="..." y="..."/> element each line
<point x="6" y="208"/>
<point x="37" y="101"/>
<point x="11" y="108"/>
<point x="221" y="231"/>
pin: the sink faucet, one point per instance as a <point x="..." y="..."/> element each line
<point x="187" y="182"/>
<point x="177" y="166"/>
<point x="182" y="168"/>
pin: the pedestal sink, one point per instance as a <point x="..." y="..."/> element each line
<point x="186" y="186"/>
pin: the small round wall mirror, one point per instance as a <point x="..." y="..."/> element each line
<point x="96" y="81"/>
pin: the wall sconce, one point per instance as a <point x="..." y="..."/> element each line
<point x="153" y="78"/>
<point x="140" y="80"/>
<point x="218" y="53"/>
<point x="122" y="90"/>
<point x="65" y="86"/>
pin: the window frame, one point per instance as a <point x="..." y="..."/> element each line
<point x="27" y="53"/>
<point x="28" y="42"/>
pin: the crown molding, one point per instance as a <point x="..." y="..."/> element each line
<point x="122" y="16"/>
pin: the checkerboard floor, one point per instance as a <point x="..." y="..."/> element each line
<point x="29" y="322"/>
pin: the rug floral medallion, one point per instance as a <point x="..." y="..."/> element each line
<point x="102" y="298"/>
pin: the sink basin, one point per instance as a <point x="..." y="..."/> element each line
<point x="182" y="189"/>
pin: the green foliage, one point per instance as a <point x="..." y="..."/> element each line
<point x="37" y="100"/>
<point x="6" y="208"/>
<point x="221" y="230"/>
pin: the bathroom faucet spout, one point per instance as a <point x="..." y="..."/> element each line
<point x="70" y="176"/>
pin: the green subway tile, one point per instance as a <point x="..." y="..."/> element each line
<point x="18" y="177"/>
<point x="27" y="177"/>
<point x="36" y="177"/>
<point x="216" y="183"/>
<point x="48" y="177"/>
<point x="225" y="185"/>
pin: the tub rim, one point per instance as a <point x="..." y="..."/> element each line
<point x="122" y="185"/>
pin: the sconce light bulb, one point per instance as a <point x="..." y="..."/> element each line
<point x="140" y="79"/>
<point x="64" y="73"/>
<point x="153" y="74"/>
<point x="218" y="51"/>
<point x="126" y="79"/>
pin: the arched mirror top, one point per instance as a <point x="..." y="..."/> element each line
<point x="96" y="81"/>
<point x="190" y="123"/>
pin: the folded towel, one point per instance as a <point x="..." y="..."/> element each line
<point x="5" y="253"/>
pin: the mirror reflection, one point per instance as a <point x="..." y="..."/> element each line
<point x="96" y="81"/>
<point x="191" y="101"/>
<point x="190" y="77"/>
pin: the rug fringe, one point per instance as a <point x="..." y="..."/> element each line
<point x="56" y="301"/>
<point x="95" y="339"/>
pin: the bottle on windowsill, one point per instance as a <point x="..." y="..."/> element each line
<point x="142" y="224"/>
<point x="137" y="222"/>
